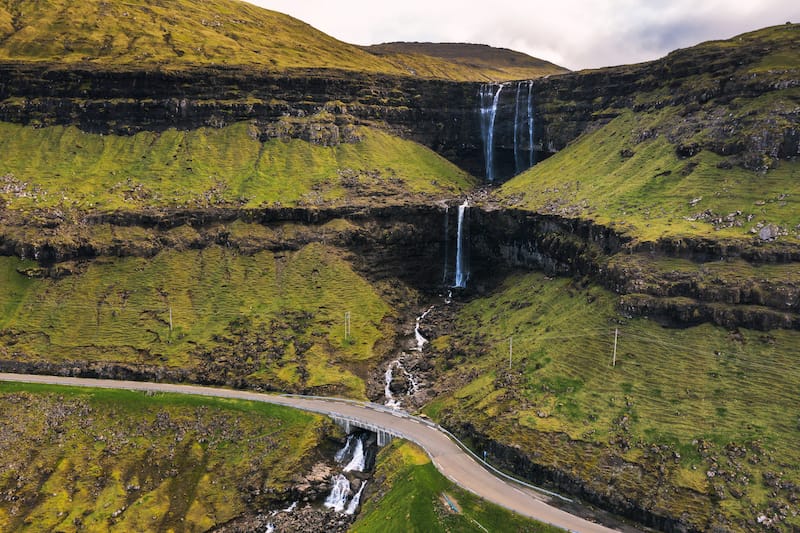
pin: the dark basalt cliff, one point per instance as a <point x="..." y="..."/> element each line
<point x="323" y="105"/>
<point x="320" y="106"/>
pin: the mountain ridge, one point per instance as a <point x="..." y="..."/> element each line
<point x="186" y="33"/>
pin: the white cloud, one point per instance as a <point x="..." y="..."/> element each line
<point x="573" y="33"/>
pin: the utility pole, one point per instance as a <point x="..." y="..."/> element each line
<point x="347" y="326"/>
<point x="510" y="350"/>
<point x="614" y="357"/>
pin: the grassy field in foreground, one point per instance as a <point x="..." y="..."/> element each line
<point x="419" y="499"/>
<point x="710" y="412"/>
<point x="273" y="319"/>
<point x="64" y="167"/>
<point x="100" y="460"/>
<point x="643" y="188"/>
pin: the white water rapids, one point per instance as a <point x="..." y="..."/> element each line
<point x="357" y="463"/>
<point x="421" y="341"/>
<point x="351" y="508"/>
<point x="340" y="491"/>
<point x="461" y="270"/>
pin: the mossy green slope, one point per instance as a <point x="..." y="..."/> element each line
<point x="187" y="33"/>
<point x="65" y="167"/>
<point x="270" y="319"/>
<point x="99" y="460"/>
<point x="620" y="176"/>
<point x="170" y="34"/>
<point x="710" y="412"/>
<point x="418" y="498"/>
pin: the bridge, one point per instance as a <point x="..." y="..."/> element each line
<point x="454" y="462"/>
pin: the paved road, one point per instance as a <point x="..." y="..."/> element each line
<point x="451" y="460"/>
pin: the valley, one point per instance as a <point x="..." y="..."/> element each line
<point x="591" y="278"/>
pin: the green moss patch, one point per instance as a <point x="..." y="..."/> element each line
<point x="66" y="168"/>
<point x="414" y="496"/>
<point x="101" y="460"/>
<point x="272" y="319"/>
<point x="621" y="175"/>
<point x="710" y="411"/>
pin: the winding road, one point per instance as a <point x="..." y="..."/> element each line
<point x="446" y="455"/>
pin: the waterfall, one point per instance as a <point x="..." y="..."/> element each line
<point x="421" y="341"/>
<point x="517" y="163"/>
<point x="489" y="100"/>
<point x="270" y="528"/>
<point x="531" y="153"/>
<point x="388" y="376"/>
<point x="357" y="462"/>
<point x="342" y="454"/>
<point x="446" y="242"/>
<point x="461" y="273"/>
<point x="351" y="509"/>
<point x="339" y="492"/>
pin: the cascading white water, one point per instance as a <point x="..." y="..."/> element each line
<point x="461" y="271"/>
<point x="342" y="454"/>
<point x="446" y="242"/>
<point x="531" y="154"/>
<point x="388" y="376"/>
<point x="270" y="528"/>
<point x="351" y="508"/>
<point x="517" y="163"/>
<point x="358" y="461"/>
<point x="421" y="341"/>
<point x="340" y="490"/>
<point x="489" y="100"/>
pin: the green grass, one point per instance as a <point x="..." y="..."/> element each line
<point x="186" y="33"/>
<point x="101" y="460"/>
<point x="650" y="194"/>
<point x="415" y="500"/>
<point x="274" y="319"/>
<point x="682" y="389"/>
<point x="67" y="168"/>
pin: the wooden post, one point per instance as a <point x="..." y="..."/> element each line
<point x="170" y="318"/>
<point x="614" y="357"/>
<point x="510" y="350"/>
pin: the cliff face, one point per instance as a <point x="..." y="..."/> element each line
<point x="313" y="105"/>
<point x="442" y="115"/>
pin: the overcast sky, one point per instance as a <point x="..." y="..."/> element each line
<point x="573" y="33"/>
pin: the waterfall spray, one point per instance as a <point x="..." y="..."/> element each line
<point x="489" y="100"/>
<point x="517" y="163"/>
<point x="531" y="154"/>
<point x="351" y="508"/>
<point x="461" y="272"/>
<point x="340" y="490"/>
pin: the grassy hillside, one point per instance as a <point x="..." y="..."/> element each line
<point x="710" y="412"/>
<point x="415" y="497"/>
<point x="185" y="33"/>
<point x="99" y="460"/>
<point x="66" y="167"/>
<point x="706" y="146"/>
<point x="268" y="319"/>
<point x="622" y="175"/>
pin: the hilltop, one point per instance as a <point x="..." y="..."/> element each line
<point x="499" y="64"/>
<point x="146" y="34"/>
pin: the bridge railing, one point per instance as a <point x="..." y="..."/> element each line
<point x="434" y="425"/>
